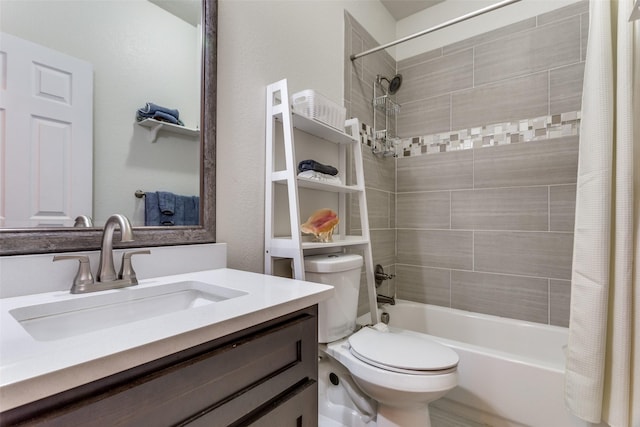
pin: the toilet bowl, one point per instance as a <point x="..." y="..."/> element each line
<point x="401" y="371"/>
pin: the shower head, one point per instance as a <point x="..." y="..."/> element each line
<point x="394" y="83"/>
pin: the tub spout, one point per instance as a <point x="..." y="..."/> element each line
<point x="383" y="299"/>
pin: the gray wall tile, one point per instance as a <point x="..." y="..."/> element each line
<point x="527" y="52"/>
<point x="423" y="210"/>
<point x="379" y="172"/>
<point x="514" y="99"/>
<point x="356" y="45"/>
<point x="559" y="300"/>
<point x="380" y="61"/>
<point x="545" y="162"/>
<point x="424" y="117"/>
<point x="533" y="253"/>
<point x="565" y="88"/>
<point x="435" y="248"/>
<point x="349" y="66"/>
<point x="564" y="12"/>
<point x="360" y="106"/>
<point x="378" y="207"/>
<point x="436" y="77"/>
<point x="383" y="246"/>
<point x="417" y="59"/>
<point x="363" y="296"/>
<point x="584" y="35"/>
<point x="524" y="208"/>
<point x="507" y="30"/>
<point x="445" y="171"/>
<point x="423" y="284"/>
<point x="562" y="207"/>
<point x="517" y="297"/>
<point x="392" y="211"/>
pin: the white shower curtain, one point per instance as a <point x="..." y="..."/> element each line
<point x="602" y="380"/>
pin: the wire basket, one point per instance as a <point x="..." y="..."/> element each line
<point x="311" y="104"/>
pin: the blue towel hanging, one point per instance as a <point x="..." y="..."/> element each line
<point x="168" y="209"/>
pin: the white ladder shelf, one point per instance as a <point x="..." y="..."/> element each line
<point x="278" y="110"/>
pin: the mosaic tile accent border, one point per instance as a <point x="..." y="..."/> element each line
<point x="536" y="129"/>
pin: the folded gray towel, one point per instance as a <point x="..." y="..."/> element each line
<point x="312" y="165"/>
<point x="158" y="112"/>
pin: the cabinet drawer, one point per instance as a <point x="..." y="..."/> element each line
<point x="299" y="409"/>
<point x="231" y="380"/>
<point x="296" y="408"/>
<point x="272" y="365"/>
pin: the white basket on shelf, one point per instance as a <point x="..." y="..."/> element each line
<point x="311" y="104"/>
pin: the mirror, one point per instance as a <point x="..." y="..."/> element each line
<point x="42" y="240"/>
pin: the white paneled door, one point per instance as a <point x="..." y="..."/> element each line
<point x="46" y="135"/>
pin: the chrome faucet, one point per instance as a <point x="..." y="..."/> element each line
<point x="381" y="276"/>
<point x="106" y="268"/>
<point x="83" y="221"/>
<point x="106" y="278"/>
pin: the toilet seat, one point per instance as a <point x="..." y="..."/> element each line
<point x="402" y="382"/>
<point x="402" y="351"/>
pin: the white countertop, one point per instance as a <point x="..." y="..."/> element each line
<point x="31" y="369"/>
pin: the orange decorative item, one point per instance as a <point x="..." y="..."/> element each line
<point x="321" y="225"/>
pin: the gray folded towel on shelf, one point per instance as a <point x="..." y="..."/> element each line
<point x="158" y="112"/>
<point x="164" y="117"/>
<point x="307" y="165"/>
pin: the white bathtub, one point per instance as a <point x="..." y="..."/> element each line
<point x="510" y="371"/>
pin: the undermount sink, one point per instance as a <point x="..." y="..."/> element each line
<point x="63" y="319"/>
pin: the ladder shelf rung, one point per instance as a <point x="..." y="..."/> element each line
<point x="320" y="185"/>
<point x="338" y="241"/>
<point x="284" y="243"/>
<point x="320" y="130"/>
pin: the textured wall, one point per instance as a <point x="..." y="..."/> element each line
<point x="262" y="42"/>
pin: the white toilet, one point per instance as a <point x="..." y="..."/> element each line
<point x="383" y="376"/>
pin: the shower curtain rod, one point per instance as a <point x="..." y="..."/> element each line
<point x="437" y="27"/>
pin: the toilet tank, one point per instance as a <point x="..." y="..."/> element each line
<point x="337" y="315"/>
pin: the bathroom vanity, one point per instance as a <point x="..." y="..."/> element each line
<point x="242" y="351"/>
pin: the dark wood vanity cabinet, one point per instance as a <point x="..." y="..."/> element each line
<point x="265" y="375"/>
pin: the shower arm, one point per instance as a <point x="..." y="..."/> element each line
<point x="437" y="27"/>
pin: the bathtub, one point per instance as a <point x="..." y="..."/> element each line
<point x="510" y="371"/>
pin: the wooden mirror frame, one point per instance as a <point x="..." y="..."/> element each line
<point x="46" y="240"/>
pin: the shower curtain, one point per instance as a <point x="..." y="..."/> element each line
<point x="602" y="379"/>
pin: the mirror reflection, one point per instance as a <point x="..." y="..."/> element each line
<point x="73" y="145"/>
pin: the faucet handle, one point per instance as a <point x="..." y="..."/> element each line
<point x="380" y="276"/>
<point x="126" y="269"/>
<point x="83" y="276"/>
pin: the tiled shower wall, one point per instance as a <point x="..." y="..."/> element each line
<point x="380" y="172"/>
<point x="488" y="229"/>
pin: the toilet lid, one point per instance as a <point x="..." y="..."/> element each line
<point x="400" y="351"/>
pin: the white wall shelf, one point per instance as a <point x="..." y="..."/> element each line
<point x="155" y="126"/>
